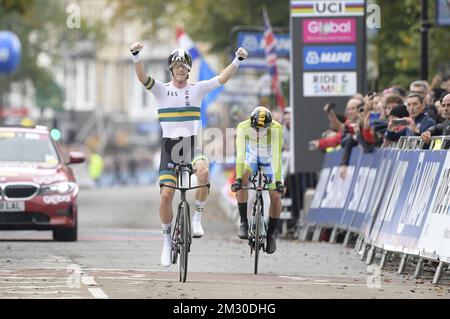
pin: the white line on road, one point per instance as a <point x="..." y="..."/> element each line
<point x="31" y="287"/>
<point x="294" y="278"/>
<point x="98" y="293"/>
<point x="30" y="277"/>
<point x="31" y="282"/>
<point x="88" y="281"/>
<point x="39" y="292"/>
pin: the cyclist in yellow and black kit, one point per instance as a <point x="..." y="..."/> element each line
<point x="259" y="142"/>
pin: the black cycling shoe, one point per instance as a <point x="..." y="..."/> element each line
<point x="243" y="231"/>
<point x="271" y="245"/>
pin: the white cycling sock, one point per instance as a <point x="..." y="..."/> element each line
<point x="199" y="207"/>
<point x="167" y="230"/>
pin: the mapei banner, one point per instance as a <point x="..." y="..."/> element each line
<point x="329" y="57"/>
<point x="398" y="200"/>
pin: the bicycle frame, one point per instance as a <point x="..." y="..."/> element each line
<point x="181" y="234"/>
<point x="258" y="226"/>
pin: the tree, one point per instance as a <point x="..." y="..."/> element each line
<point x="398" y="43"/>
<point x="204" y="20"/>
<point x="41" y="28"/>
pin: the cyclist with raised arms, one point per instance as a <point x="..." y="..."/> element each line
<point x="259" y="141"/>
<point x="179" y="105"/>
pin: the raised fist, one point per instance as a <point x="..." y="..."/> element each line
<point x="237" y="186"/>
<point x="241" y="54"/>
<point x="136" y="48"/>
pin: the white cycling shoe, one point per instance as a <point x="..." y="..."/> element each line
<point x="166" y="256"/>
<point x="197" y="229"/>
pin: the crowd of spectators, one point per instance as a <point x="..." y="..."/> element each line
<point x="379" y="119"/>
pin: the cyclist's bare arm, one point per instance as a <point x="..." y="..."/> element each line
<point x="225" y="75"/>
<point x="138" y="65"/>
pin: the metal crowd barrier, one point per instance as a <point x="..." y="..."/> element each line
<point x="339" y="205"/>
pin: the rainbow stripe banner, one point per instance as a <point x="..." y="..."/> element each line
<point x="327" y="8"/>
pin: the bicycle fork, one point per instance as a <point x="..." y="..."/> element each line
<point x="262" y="226"/>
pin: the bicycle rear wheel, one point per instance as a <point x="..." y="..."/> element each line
<point x="185" y="239"/>
<point x="258" y="230"/>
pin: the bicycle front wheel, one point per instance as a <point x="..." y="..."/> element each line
<point x="258" y="216"/>
<point x="186" y="240"/>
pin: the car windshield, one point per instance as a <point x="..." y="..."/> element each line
<point x="27" y="147"/>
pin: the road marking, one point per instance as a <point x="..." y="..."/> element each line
<point x="31" y="277"/>
<point x="294" y="278"/>
<point x="68" y="297"/>
<point x="39" y="292"/>
<point x="31" y="287"/>
<point x="98" y="293"/>
<point x="88" y="280"/>
<point x="119" y="238"/>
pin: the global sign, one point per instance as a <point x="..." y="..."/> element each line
<point x="329" y="30"/>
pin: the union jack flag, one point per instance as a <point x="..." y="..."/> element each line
<point x="270" y="49"/>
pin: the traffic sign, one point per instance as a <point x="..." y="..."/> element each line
<point x="10" y="52"/>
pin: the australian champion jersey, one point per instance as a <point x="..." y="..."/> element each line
<point x="179" y="109"/>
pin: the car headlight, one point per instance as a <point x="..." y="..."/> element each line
<point x="58" y="188"/>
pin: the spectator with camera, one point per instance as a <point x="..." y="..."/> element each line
<point x="390" y="101"/>
<point x="398" y="124"/>
<point x="418" y="121"/>
<point x="364" y="134"/>
<point x="441" y="128"/>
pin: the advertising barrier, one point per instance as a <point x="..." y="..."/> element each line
<point x="397" y="200"/>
